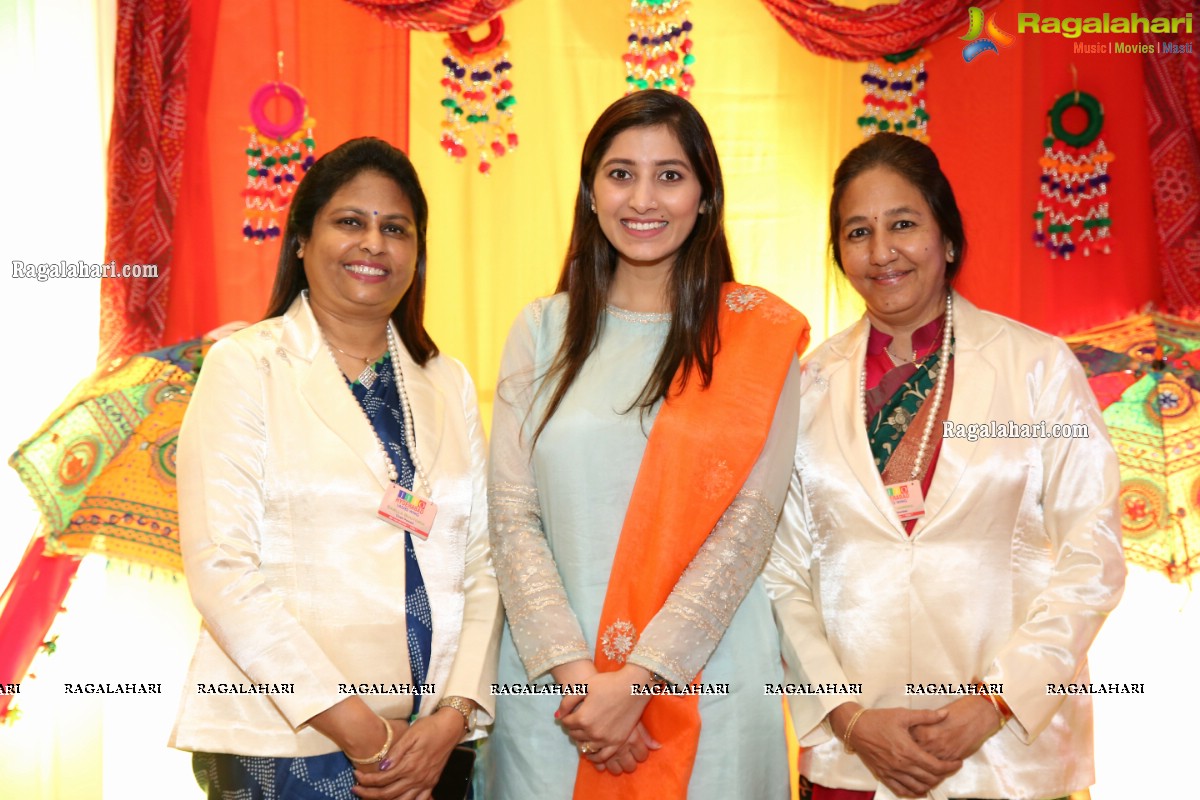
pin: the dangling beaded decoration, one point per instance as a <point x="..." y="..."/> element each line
<point x="660" y="47"/>
<point x="1074" y="183"/>
<point x="275" y="154"/>
<point x="895" y="98"/>
<point x="479" y="96"/>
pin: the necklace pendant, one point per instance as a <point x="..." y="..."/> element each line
<point x="367" y="377"/>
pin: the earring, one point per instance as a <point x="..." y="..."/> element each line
<point x="593" y="208"/>
<point x="950" y="254"/>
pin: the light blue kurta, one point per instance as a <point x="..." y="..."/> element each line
<point x="584" y="468"/>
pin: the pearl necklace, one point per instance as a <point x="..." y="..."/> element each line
<point x="410" y="438"/>
<point x="943" y="356"/>
<point x="410" y="435"/>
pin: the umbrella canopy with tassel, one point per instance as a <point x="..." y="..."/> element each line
<point x="1143" y="371"/>
<point x="101" y="470"/>
<point x="102" y="467"/>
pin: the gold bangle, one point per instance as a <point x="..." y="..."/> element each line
<point x="850" y="728"/>
<point x="382" y="754"/>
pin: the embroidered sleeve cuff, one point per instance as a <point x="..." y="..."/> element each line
<point x="661" y="664"/>
<point x="546" y="659"/>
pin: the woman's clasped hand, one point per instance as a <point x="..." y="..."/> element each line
<point x="608" y="732"/>
<point x="415" y="762"/>
<point x="885" y="740"/>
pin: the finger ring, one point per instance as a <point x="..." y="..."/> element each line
<point x="586" y="748"/>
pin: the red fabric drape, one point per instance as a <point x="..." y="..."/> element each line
<point x="1173" y="115"/>
<point x="434" y="15"/>
<point x="28" y="607"/>
<point x="830" y="30"/>
<point x="353" y="73"/>
<point x="145" y="165"/>
<point x="988" y="119"/>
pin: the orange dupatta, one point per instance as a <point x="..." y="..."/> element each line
<point x="700" y="451"/>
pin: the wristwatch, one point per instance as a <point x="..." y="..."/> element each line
<point x="462" y="706"/>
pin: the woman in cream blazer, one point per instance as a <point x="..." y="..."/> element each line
<point x="302" y="586"/>
<point x="1003" y="581"/>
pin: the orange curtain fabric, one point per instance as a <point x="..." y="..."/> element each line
<point x="987" y="122"/>
<point x="353" y="73"/>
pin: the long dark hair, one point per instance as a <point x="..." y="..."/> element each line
<point x="916" y="163"/>
<point x="331" y="172"/>
<point x="701" y="265"/>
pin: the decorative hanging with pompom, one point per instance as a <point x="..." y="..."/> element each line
<point x="276" y="156"/>
<point x="1072" y="211"/>
<point x="660" y="47"/>
<point x="895" y="98"/>
<point x="479" y="96"/>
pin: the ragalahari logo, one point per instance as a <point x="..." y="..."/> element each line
<point x="987" y="43"/>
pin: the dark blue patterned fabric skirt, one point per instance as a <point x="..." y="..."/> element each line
<point x="228" y="777"/>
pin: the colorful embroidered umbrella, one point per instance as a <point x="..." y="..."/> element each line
<point x="102" y="467"/>
<point x="102" y="472"/>
<point x="1143" y="371"/>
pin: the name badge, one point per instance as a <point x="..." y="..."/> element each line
<point x="408" y="510"/>
<point x="907" y="499"/>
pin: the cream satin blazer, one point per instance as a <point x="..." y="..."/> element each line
<point x="297" y="579"/>
<point x="1007" y="577"/>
